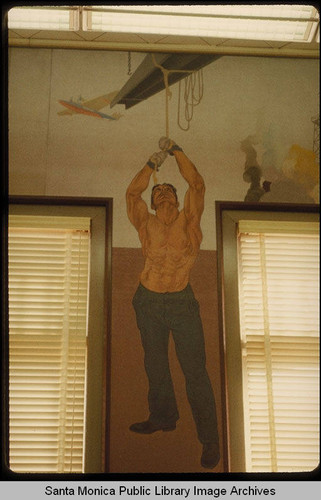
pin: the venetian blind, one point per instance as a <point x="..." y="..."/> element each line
<point x="48" y="295"/>
<point x="279" y="319"/>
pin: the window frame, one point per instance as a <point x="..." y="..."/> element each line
<point x="100" y="209"/>
<point x="228" y="215"/>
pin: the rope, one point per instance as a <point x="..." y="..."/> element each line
<point x="268" y="357"/>
<point x="155" y="177"/>
<point x="168" y="94"/>
<point x="190" y="98"/>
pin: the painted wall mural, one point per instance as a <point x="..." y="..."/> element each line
<point x="164" y="301"/>
<point x="54" y="153"/>
<point x="78" y="158"/>
<point x="89" y="107"/>
<point x="290" y="176"/>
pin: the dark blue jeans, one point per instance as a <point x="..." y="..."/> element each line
<point x="157" y="314"/>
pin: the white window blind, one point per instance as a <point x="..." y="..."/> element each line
<point x="279" y="320"/>
<point x="48" y="296"/>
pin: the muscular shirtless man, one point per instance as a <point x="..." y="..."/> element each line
<point x="164" y="300"/>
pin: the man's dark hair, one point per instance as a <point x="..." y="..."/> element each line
<point x="164" y="184"/>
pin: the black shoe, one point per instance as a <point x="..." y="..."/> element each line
<point x="210" y="456"/>
<point x="148" y="427"/>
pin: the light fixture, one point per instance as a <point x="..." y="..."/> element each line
<point x="290" y="23"/>
<point x="44" y="18"/>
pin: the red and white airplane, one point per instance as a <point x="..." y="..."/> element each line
<point x="91" y="107"/>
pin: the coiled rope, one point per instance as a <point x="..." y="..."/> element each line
<point x="193" y="82"/>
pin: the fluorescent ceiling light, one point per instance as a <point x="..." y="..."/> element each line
<point x="251" y="22"/>
<point x="44" y="18"/>
<point x="288" y="23"/>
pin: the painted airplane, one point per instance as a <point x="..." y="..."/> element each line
<point x="91" y="107"/>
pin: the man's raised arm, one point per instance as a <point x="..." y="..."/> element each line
<point x="137" y="210"/>
<point x="194" y="198"/>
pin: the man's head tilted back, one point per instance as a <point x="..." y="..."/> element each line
<point x="161" y="186"/>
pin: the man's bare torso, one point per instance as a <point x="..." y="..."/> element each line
<point x="170" y="251"/>
<point x="170" y="239"/>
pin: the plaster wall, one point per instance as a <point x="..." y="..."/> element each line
<point x="85" y="156"/>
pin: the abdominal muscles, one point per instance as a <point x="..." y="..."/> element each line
<point x="168" y="261"/>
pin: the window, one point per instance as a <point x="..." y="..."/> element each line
<point x="59" y="300"/>
<point x="268" y="264"/>
<point x="48" y="297"/>
<point x="279" y="319"/>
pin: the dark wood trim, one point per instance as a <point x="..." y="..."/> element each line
<point x="266" y="207"/>
<point x="75" y="201"/>
<point x="4" y="347"/>
<point x="108" y="337"/>
<point x="59" y="200"/>
<point x="220" y="207"/>
<point x="219" y="252"/>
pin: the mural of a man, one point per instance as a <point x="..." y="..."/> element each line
<point x="164" y="301"/>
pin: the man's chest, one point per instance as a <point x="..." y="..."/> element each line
<point x="174" y="235"/>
